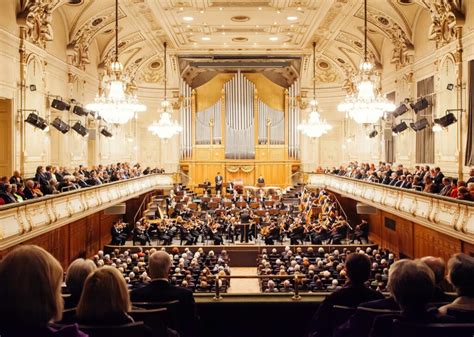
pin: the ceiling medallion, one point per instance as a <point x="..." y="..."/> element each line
<point x="155" y="65"/>
<point x="383" y="20"/>
<point x="240" y="39"/>
<point x="240" y="18"/>
<point x="323" y="65"/>
<point x="97" y="21"/>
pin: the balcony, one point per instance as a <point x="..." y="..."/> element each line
<point x="20" y="222"/>
<point x="446" y="215"/>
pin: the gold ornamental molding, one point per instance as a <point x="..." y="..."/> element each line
<point x="235" y="168"/>
<point x="446" y="17"/>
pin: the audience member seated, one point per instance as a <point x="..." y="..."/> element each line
<point x="104" y="299"/>
<point x="30" y="292"/>
<point x="354" y="292"/>
<point x="437" y="265"/>
<point x="76" y="275"/>
<point x="461" y="276"/>
<point x="160" y="290"/>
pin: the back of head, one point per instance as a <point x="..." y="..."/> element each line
<point x="358" y="268"/>
<point x="30" y="287"/>
<point x="411" y="283"/>
<point x="159" y="265"/>
<point x="104" y="295"/>
<point x="76" y="275"/>
<point x="437" y="265"/>
<point x="461" y="274"/>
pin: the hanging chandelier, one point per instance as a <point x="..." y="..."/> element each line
<point x="315" y="127"/>
<point x="165" y="128"/>
<point x="117" y="107"/>
<point x="366" y="105"/>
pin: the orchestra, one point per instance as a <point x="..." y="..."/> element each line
<point x="256" y="213"/>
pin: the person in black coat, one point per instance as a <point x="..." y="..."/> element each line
<point x="159" y="290"/>
<point x="353" y="293"/>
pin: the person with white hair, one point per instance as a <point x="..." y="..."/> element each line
<point x="159" y="290"/>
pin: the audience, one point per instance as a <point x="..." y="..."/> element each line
<point x="105" y="299"/>
<point x="30" y="293"/>
<point x="52" y="180"/>
<point x="422" y="179"/>
<point x="76" y="275"/>
<point x="461" y="276"/>
<point x="353" y="293"/>
<point x="160" y="290"/>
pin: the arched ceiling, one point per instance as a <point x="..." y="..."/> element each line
<point x="232" y="28"/>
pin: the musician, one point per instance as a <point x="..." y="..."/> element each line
<point x="338" y="231"/>
<point x="361" y="232"/>
<point x="119" y="237"/>
<point x="270" y="233"/>
<point x="230" y="188"/>
<point x="207" y="186"/>
<point x="260" y="180"/>
<point x="140" y="234"/>
<point x="296" y="233"/>
<point x="219" y="180"/>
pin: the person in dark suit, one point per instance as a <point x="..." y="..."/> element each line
<point x="28" y="190"/>
<point x="159" y="290"/>
<point x="260" y="180"/>
<point x="438" y="178"/>
<point x="245" y="228"/>
<point x="353" y="293"/>
<point x="16" y="178"/>
<point x="42" y="178"/>
<point x="218" y="180"/>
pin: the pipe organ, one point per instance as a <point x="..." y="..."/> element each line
<point x="243" y="126"/>
<point x="186" y="144"/>
<point x="294" y="120"/>
<point x="239" y="118"/>
<point x="206" y="120"/>
<point x="270" y="121"/>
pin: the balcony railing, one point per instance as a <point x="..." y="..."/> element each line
<point x="447" y="215"/>
<point x="22" y="221"/>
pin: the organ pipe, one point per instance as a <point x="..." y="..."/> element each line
<point x="186" y="146"/>
<point x="293" y="120"/>
<point x="277" y="124"/>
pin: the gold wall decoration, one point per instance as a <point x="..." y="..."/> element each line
<point x="235" y="169"/>
<point x="270" y="93"/>
<point x="209" y="93"/>
<point x="446" y="16"/>
<point x="37" y="16"/>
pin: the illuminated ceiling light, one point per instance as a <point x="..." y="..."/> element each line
<point x="117" y="107"/>
<point x="188" y="18"/>
<point x="206" y="38"/>
<point x="259" y="8"/>
<point x="278" y="11"/>
<point x="165" y="128"/>
<point x="221" y="9"/>
<point x="273" y="38"/>
<point x="201" y="11"/>
<point x="366" y="105"/>
<point x="292" y="18"/>
<point x="316" y="126"/>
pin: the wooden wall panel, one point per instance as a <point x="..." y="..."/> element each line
<point x="468" y="248"/>
<point x="77" y="238"/>
<point x="430" y="242"/>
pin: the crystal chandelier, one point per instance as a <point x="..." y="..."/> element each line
<point x="366" y="105"/>
<point x="117" y="107"/>
<point x="165" y="128"/>
<point x="315" y="127"/>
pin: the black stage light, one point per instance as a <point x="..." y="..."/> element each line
<point x="60" y="125"/>
<point x="446" y="120"/>
<point x="32" y="87"/>
<point x="60" y="105"/>
<point x="400" y="110"/>
<point x="80" y="111"/>
<point x="37" y="121"/>
<point x="419" y="105"/>
<point x="80" y="129"/>
<point x="106" y="132"/>
<point x="400" y="128"/>
<point x="373" y="133"/>
<point x="450" y="86"/>
<point x="419" y="125"/>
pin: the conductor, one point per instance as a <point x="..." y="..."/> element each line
<point x="245" y="223"/>
<point x="218" y="179"/>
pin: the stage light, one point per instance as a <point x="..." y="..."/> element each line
<point x="37" y="121"/>
<point x="60" y="105"/>
<point x="373" y="133"/>
<point x="106" y="132"/>
<point x="450" y="86"/>
<point x="32" y="87"/>
<point x="446" y="120"/>
<point x="399" y="128"/>
<point x="400" y="110"/>
<point x="421" y="104"/>
<point x="60" y="125"/>
<point x="80" y="129"/>
<point x="80" y="111"/>
<point x="419" y="125"/>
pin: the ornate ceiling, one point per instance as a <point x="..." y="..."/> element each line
<point x="255" y="29"/>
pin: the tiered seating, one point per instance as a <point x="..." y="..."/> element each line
<point x="193" y="271"/>
<point x="322" y="270"/>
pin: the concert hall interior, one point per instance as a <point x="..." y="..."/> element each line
<point x="230" y="168"/>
